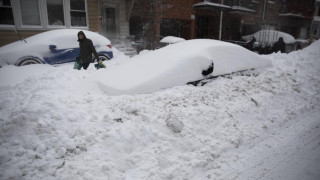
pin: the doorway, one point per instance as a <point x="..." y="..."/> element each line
<point x="110" y="16"/>
<point x="202" y="27"/>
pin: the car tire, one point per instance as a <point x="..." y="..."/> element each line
<point x="102" y="58"/>
<point x="28" y="60"/>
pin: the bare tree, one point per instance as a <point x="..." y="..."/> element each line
<point x="145" y="20"/>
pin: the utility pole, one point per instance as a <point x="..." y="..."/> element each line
<point x="264" y="11"/>
<point x="220" y="28"/>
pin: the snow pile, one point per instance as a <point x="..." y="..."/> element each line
<point x="171" y="39"/>
<point x="270" y="36"/>
<point x="239" y="127"/>
<point x="175" y="65"/>
<point x="313" y="48"/>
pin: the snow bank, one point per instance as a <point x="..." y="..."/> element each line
<point x="7" y="78"/>
<point x="240" y="127"/>
<point x="313" y="48"/>
<point x="171" y="40"/>
<point x="176" y="65"/>
<point x="270" y="36"/>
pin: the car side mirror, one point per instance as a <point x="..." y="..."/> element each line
<point x="52" y="47"/>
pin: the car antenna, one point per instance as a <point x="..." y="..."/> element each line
<point x="19" y="35"/>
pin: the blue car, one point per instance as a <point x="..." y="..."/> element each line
<point x="52" y="47"/>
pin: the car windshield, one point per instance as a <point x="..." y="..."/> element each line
<point x="65" y="41"/>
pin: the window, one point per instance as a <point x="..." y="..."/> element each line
<point x="78" y="13"/>
<point x="6" y="15"/>
<point x="43" y="14"/>
<point x="30" y="12"/>
<point x="55" y="12"/>
<point x="170" y="27"/>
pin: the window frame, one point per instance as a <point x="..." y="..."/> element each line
<point x="85" y="10"/>
<point x="30" y="26"/>
<point x="14" y="20"/>
<point x="44" y="19"/>
<point x="64" y="7"/>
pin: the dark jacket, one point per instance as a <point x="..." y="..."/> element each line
<point x="279" y="46"/>
<point x="86" y="49"/>
<point x="249" y="45"/>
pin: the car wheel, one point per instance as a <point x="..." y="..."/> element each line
<point x="102" y="58"/>
<point x="28" y="60"/>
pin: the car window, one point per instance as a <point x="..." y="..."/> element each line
<point x="66" y="41"/>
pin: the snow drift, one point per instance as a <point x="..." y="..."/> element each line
<point x="243" y="127"/>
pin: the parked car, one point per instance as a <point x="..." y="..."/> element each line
<point x="170" y="40"/>
<point x="178" y="64"/>
<point x="52" y="47"/>
<point x="266" y="38"/>
<point x="270" y="37"/>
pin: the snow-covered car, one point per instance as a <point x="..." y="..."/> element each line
<point x="176" y="65"/>
<point x="52" y="47"/>
<point x="270" y="37"/>
<point x="170" y="40"/>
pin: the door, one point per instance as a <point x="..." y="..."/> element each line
<point x="110" y="14"/>
<point x="202" y="27"/>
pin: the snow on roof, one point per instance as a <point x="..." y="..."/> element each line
<point x="292" y="15"/>
<point x="171" y="39"/>
<point x="270" y="36"/>
<point x="222" y="7"/>
<point x="211" y="4"/>
<point x="244" y="9"/>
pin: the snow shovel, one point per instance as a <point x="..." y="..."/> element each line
<point x="77" y="64"/>
<point x="99" y="65"/>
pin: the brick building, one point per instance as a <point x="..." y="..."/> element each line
<point x="295" y="17"/>
<point x="191" y="19"/>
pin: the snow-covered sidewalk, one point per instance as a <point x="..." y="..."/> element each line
<point x="243" y="127"/>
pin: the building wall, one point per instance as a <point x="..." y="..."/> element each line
<point x="122" y="22"/>
<point x="315" y="27"/>
<point x="8" y="33"/>
<point x="265" y="17"/>
<point x="181" y="11"/>
<point x="9" y="36"/>
<point x="93" y="15"/>
<point x="296" y="17"/>
<point x="177" y="9"/>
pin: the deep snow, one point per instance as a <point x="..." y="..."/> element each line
<point x="237" y="127"/>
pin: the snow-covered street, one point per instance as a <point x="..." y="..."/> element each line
<point x="54" y="125"/>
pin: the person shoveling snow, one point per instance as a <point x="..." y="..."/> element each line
<point x="86" y="50"/>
